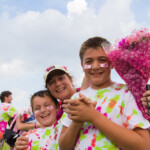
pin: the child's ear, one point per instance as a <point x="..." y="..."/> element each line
<point x="82" y="66"/>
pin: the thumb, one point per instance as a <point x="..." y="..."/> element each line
<point x="84" y="99"/>
<point x="24" y="133"/>
<point x="94" y="103"/>
<point x="81" y="95"/>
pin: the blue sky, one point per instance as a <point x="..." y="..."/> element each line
<point x="39" y="33"/>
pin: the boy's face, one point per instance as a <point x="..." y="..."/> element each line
<point x="45" y="110"/>
<point x="8" y="99"/>
<point x="97" y="68"/>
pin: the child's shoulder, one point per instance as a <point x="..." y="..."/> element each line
<point x="119" y="86"/>
<point x="81" y="91"/>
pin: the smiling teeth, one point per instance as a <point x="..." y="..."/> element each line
<point x="44" y="116"/>
<point x="60" y="90"/>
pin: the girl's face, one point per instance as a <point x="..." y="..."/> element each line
<point x="61" y="87"/>
<point x="45" y="110"/>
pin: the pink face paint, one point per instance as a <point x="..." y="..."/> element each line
<point x="87" y="66"/>
<point x="50" y="107"/>
<point x="37" y="111"/>
<point x="104" y="65"/>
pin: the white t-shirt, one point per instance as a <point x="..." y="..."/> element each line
<point x="116" y="103"/>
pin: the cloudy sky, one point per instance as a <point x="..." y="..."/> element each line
<point x="37" y="33"/>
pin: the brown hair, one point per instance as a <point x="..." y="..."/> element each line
<point x="93" y="42"/>
<point x="43" y="93"/>
<point x="3" y="94"/>
<point x="57" y="72"/>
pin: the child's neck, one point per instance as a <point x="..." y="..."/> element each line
<point x="102" y="86"/>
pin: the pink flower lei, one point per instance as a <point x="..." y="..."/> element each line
<point x="131" y="59"/>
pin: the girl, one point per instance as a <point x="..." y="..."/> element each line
<point x="44" y="107"/>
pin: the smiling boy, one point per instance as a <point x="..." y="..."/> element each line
<point x="115" y="122"/>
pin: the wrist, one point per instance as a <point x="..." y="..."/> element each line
<point x="77" y="124"/>
<point x="35" y="125"/>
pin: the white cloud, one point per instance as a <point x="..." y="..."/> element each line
<point x="21" y="99"/>
<point x="13" y="68"/>
<point x="32" y="41"/>
<point x="76" y="7"/>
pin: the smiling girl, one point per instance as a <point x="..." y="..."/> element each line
<point x="44" y="107"/>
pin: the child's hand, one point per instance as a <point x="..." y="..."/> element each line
<point x="84" y="99"/>
<point x="143" y="99"/>
<point x="22" y="142"/>
<point x="78" y="110"/>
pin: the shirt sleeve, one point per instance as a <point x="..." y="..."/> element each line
<point x="132" y="116"/>
<point x="65" y="120"/>
<point x="12" y="111"/>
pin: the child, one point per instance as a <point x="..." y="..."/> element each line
<point x="115" y="122"/>
<point x="44" y="107"/>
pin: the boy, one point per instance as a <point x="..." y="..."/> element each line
<point x="115" y="122"/>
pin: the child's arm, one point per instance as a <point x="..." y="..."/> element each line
<point x="137" y="139"/>
<point x="26" y="126"/>
<point x="68" y="136"/>
<point x="22" y="142"/>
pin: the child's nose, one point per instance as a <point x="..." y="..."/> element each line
<point x="57" y="82"/>
<point x="43" y="109"/>
<point x="95" y="65"/>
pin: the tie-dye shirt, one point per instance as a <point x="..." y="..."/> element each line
<point x="44" y="138"/>
<point x="7" y="111"/>
<point x="116" y="103"/>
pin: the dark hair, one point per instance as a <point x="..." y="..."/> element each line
<point x="93" y="42"/>
<point x="43" y="93"/>
<point x="3" y="94"/>
<point x="57" y="72"/>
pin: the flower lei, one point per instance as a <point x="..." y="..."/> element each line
<point x="137" y="36"/>
<point x="131" y="59"/>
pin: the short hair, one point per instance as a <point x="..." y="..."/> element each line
<point x="3" y="94"/>
<point x="93" y="42"/>
<point x="43" y="93"/>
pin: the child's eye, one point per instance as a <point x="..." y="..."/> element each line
<point x="103" y="60"/>
<point x="37" y="108"/>
<point x="61" y="78"/>
<point x="50" y="82"/>
<point x="88" y="62"/>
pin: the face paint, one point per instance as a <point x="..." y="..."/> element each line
<point x="49" y="107"/>
<point x="104" y="65"/>
<point x="37" y="111"/>
<point x="87" y="66"/>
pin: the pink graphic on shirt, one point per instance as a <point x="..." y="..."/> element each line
<point x="3" y="126"/>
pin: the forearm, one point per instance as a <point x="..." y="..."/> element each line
<point x="68" y="137"/>
<point x="24" y="126"/>
<point x="124" y="138"/>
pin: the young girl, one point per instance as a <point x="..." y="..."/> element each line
<point x="44" y="107"/>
